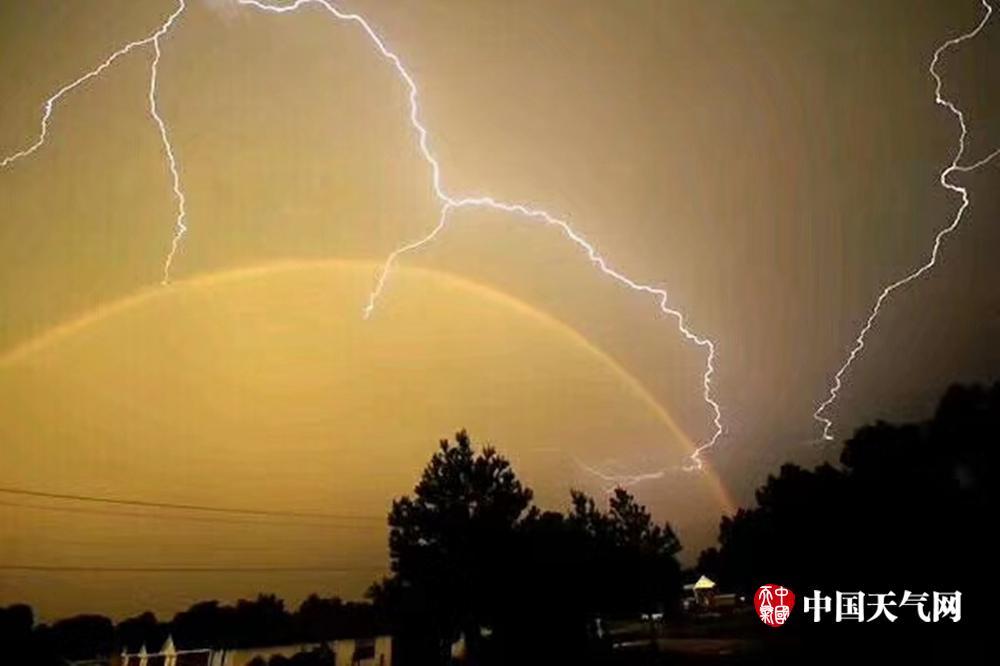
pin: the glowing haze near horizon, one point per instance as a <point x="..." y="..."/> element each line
<point x="772" y="166"/>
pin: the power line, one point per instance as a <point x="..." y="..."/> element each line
<point x="189" y="507"/>
<point x="172" y="569"/>
<point x="193" y="519"/>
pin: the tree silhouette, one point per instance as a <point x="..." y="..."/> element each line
<point x="17" y="623"/>
<point x="582" y="566"/>
<point x="640" y="570"/>
<point x="143" y="629"/>
<point x="80" y="637"/>
<point x="472" y="557"/>
<point x="907" y="508"/>
<point x="206" y="624"/>
<point x="447" y="542"/>
<point x="319" y="656"/>
<point x="263" y="621"/>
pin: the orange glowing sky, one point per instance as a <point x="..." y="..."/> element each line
<point x="771" y="164"/>
<point x="264" y="387"/>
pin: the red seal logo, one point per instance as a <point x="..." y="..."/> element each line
<point x="774" y="604"/>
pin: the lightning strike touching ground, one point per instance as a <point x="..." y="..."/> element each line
<point x="154" y="40"/>
<point x="952" y="167"/>
<point x="450" y="203"/>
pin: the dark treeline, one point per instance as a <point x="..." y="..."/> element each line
<point x="907" y="507"/>
<point x="472" y="558"/>
<point x="320" y="655"/>
<point x="247" y="623"/>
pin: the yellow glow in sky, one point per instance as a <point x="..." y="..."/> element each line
<point x="266" y="388"/>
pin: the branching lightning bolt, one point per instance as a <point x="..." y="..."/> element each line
<point x="939" y="238"/>
<point x="450" y="203"/>
<point x="614" y="481"/>
<point x="180" y="228"/>
<point x="47" y="109"/>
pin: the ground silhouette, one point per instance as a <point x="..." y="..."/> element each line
<point x="908" y="507"/>
<point x="472" y="558"/>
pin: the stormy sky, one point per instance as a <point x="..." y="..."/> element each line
<point x="771" y="164"/>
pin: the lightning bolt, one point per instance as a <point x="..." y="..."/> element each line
<point x="450" y="203"/>
<point x="613" y="481"/>
<point x="180" y="228"/>
<point x="151" y="40"/>
<point x="953" y="167"/>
